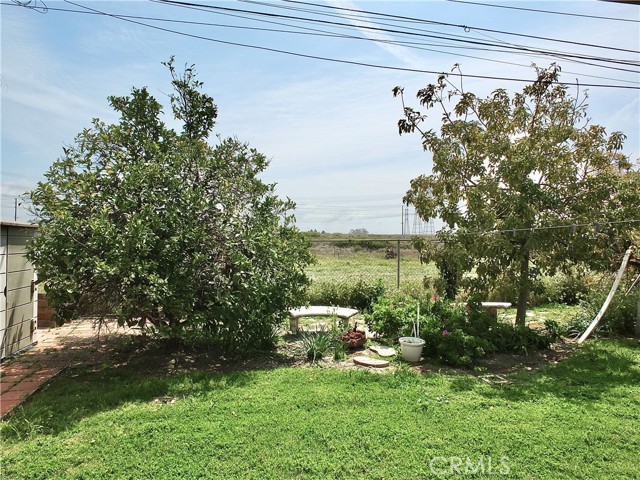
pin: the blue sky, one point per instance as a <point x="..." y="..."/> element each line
<point x="328" y="128"/>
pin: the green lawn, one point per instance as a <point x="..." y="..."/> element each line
<point x="576" y="419"/>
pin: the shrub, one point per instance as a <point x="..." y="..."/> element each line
<point x="454" y="334"/>
<point x="460" y="348"/>
<point x="518" y="339"/>
<point x="359" y="294"/>
<point x="358" y="244"/>
<point x="157" y="226"/>
<point x="567" y="289"/>
<point x="391" y="316"/>
<point x="619" y="318"/>
<point x="317" y="344"/>
<point x="554" y="330"/>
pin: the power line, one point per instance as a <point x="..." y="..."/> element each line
<point x="503" y="44"/>
<point x="464" y="27"/>
<point x="570" y="226"/>
<point x="334" y="60"/>
<point x="35" y="5"/>
<point x="546" y="11"/>
<point x="563" y="55"/>
<point x="323" y="33"/>
<point x="331" y="34"/>
<point x="552" y="227"/>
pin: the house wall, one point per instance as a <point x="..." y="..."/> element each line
<point x="19" y="299"/>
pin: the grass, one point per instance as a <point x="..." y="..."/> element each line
<point x="576" y="419"/>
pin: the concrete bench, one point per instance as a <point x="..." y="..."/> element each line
<point x="492" y="308"/>
<point x="343" y="314"/>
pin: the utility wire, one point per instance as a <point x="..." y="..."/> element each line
<point x="394" y="31"/>
<point x="324" y="33"/>
<point x="571" y="226"/>
<point x="416" y="45"/>
<point x="466" y="28"/>
<point x="334" y="60"/>
<point x="546" y="11"/>
<point x="330" y="59"/>
<point x="502" y="44"/>
<point x="35" y="5"/>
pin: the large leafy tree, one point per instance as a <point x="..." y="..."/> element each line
<point x="525" y="185"/>
<point x="153" y="225"/>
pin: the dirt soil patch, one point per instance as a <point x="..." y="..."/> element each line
<point x="90" y="348"/>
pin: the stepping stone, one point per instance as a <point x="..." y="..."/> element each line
<point x="495" y="379"/>
<point x="370" y="362"/>
<point x="383" y="351"/>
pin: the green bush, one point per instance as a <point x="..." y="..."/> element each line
<point x="567" y="289"/>
<point x="619" y="318"/>
<point x="157" y="226"/>
<point x="317" y="344"/>
<point x="359" y="294"/>
<point x="455" y="334"/>
<point x="391" y="315"/>
<point x="362" y="244"/>
<point x="518" y="339"/>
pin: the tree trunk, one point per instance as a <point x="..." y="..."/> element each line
<point x="523" y="290"/>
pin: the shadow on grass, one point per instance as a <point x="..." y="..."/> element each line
<point x="590" y="373"/>
<point x="132" y="371"/>
<point x="145" y="373"/>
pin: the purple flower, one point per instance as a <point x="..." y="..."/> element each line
<point x="445" y="332"/>
<point x="434" y="298"/>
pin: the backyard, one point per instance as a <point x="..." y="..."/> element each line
<point x="162" y="415"/>
<point x="176" y="270"/>
<point x="142" y="410"/>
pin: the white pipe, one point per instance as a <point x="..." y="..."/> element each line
<point x="606" y="303"/>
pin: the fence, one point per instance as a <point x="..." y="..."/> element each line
<point x="393" y="261"/>
<point x="14" y="208"/>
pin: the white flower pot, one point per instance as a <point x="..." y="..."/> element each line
<point x="411" y="348"/>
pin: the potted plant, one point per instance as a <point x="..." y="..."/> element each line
<point x="411" y="347"/>
<point x="354" y="338"/>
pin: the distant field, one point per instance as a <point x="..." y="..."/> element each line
<point x="338" y="263"/>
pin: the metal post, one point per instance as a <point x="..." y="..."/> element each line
<point x="15" y="209"/>
<point x="398" y="252"/>
<point x="638" y="318"/>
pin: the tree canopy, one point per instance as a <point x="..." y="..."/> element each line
<point x="159" y="227"/>
<point x="525" y="184"/>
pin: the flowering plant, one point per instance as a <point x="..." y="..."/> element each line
<point x="455" y="334"/>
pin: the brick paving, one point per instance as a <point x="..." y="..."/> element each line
<point x="57" y="348"/>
